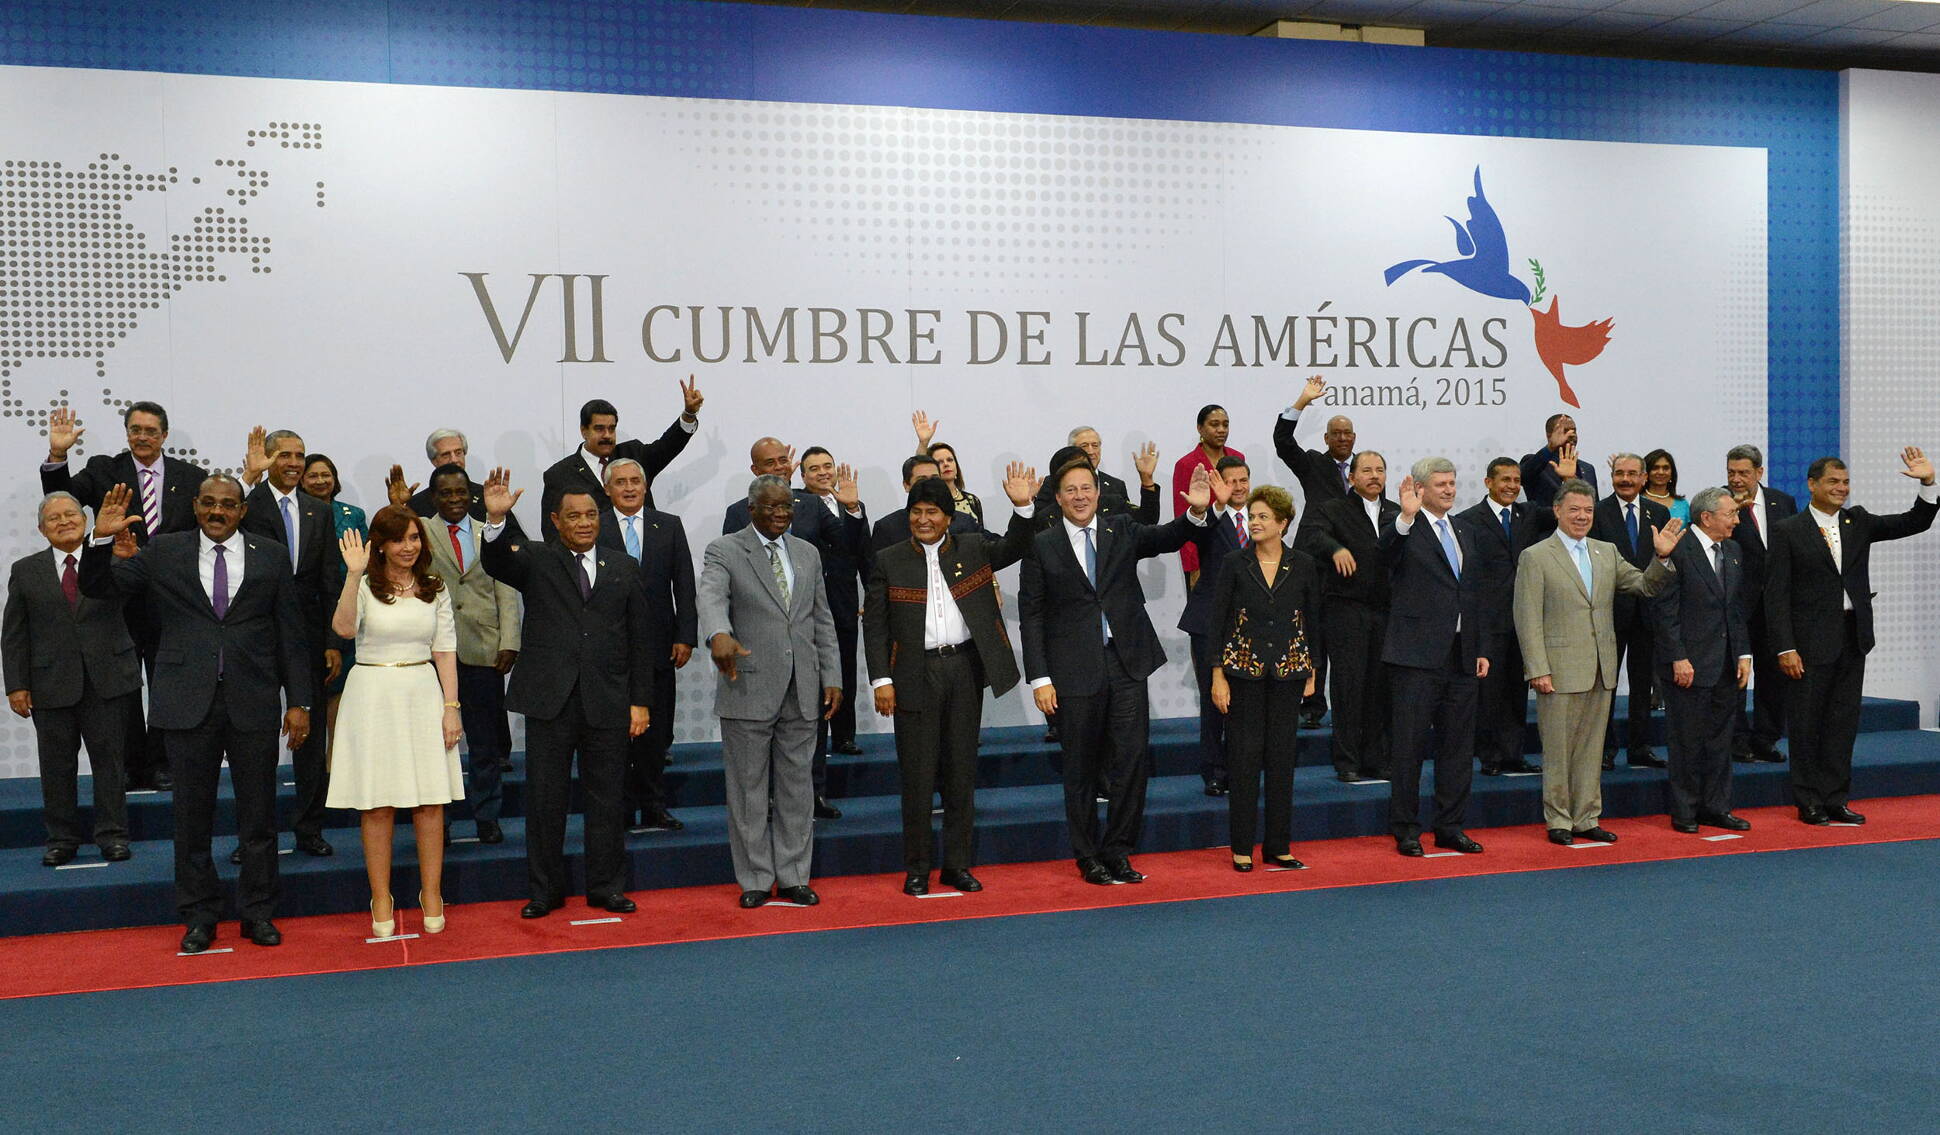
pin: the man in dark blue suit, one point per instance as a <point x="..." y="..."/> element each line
<point x="1760" y="507"/>
<point x="1233" y="481"/>
<point x="231" y="647"/>
<point x="657" y="541"/>
<point x="1547" y="468"/>
<point x="1502" y="698"/>
<point x="1703" y="656"/>
<point x="1626" y="518"/>
<point x="1440" y="642"/>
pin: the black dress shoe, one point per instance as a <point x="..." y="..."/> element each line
<point x="1688" y="827"/>
<point x="960" y="879"/>
<point x="1814" y="815"/>
<point x="1242" y="865"/>
<point x="537" y="908"/>
<point x="1561" y="836"/>
<point x="1350" y="778"/>
<point x="236" y="855"/>
<point x="1217" y="787"/>
<point x="1410" y="848"/>
<point x="662" y="821"/>
<point x="1741" y="757"/>
<point x="1839" y="813"/>
<point x="314" y="845"/>
<point x="262" y="932"/>
<point x="1458" y="842"/>
<point x="1311" y="720"/>
<point x="1727" y="821"/>
<point x="1095" y="873"/>
<point x="505" y="765"/>
<point x="612" y="904"/>
<point x="198" y="938"/>
<point x="849" y="749"/>
<point x="1491" y="770"/>
<point x="1767" y="754"/>
<point x="1051" y="732"/>
<point x="1286" y="862"/>
<point x="803" y="895"/>
<point x="825" y="810"/>
<point x="57" y="857"/>
<point x="1647" y="759"/>
<point x="490" y="832"/>
<point x="1519" y="766"/>
<point x="1122" y="871"/>
<point x="116" y="853"/>
<point x="163" y="782"/>
<point x="916" y="884"/>
<point x="1597" y="835"/>
<point x="1609" y="762"/>
<point x="752" y="899"/>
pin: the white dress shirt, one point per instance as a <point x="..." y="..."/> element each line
<point x="943" y="623"/>
<point x="1829" y="529"/>
<point x="1373" y="510"/>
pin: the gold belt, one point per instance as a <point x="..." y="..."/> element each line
<point x="419" y="662"/>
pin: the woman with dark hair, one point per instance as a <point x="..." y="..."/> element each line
<point x="1660" y="483"/>
<point x="1214" y="425"/>
<point x="397" y="745"/>
<point x="946" y="465"/>
<point x="320" y="480"/>
<point x="1266" y="596"/>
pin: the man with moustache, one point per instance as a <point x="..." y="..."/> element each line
<point x="1546" y="469"/>
<point x="1760" y="507"/>
<point x="1624" y="519"/>
<point x="1324" y="475"/>
<point x="1503" y="527"/>
<point x="1345" y="536"/>
<point x="599" y="431"/>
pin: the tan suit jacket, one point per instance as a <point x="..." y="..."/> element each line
<point x="1566" y="632"/>
<point x="487" y="611"/>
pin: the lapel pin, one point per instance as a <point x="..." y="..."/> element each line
<point x="602" y="563"/>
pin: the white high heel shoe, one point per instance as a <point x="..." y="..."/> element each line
<point x="433" y="924"/>
<point x="386" y="928"/>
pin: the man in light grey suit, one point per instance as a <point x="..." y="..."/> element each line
<point x="765" y="612"/>
<point x="1566" y="588"/>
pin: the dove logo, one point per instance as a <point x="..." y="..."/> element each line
<point x="1484" y="269"/>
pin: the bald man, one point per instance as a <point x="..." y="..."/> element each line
<point x="1325" y="475"/>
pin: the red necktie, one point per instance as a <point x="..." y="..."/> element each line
<point x="1239" y="528"/>
<point x="457" y="549"/>
<point x="70" y="583"/>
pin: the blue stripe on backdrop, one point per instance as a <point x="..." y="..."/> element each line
<point x="1755" y="993"/>
<point x="663" y="47"/>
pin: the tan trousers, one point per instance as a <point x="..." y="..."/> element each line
<point x="1571" y="727"/>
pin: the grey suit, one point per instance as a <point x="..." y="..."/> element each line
<point x="489" y="618"/>
<point x="1569" y="634"/>
<point x="768" y="712"/>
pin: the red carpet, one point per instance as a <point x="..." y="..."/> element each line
<point x="102" y="960"/>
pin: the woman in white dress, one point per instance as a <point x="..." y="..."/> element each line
<point x="397" y="728"/>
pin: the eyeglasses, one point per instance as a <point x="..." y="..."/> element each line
<point x="217" y="504"/>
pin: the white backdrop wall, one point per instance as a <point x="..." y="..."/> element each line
<point x="1890" y="164"/>
<point x="337" y="290"/>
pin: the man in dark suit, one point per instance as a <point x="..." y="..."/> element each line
<point x="838" y="526"/>
<point x="1502" y="698"/>
<point x="232" y="648"/>
<point x="893" y="527"/>
<point x="164" y="486"/>
<point x="71" y="668"/>
<point x="447" y="447"/>
<point x="1089" y="647"/>
<point x="1819" y="612"/>
<point x="584" y="683"/>
<point x="1324" y="475"/>
<point x="935" y="640"/>
<point x="599" y="430"/>
<point x="1440" y="642"/>
<point x="1545" y="470"/>
<point x="842" y="572"/>
<point x="1232" y="482"/>
<point x="1703" y="656"/>
<point x="1626" y="519"/>
<point x="657" y="541"/>
<point x="1344" y="536"/>
<point x="1085" y="440"/>
<point x="280" y="510"/>
<point x="1760" y="508"/>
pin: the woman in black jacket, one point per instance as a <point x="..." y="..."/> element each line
<point x="1268" y="595"/>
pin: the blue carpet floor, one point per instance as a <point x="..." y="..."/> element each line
<point x="1782" y="992"/>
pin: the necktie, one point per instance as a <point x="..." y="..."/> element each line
<point x="1582" y="552"/>
<point x="585" y="581"/>
<point x="151" y="517"/>
<point x="70" y="583"/>
<point x="1448" y="547"/>
<point x="1630" y="524"/>
<point x="1508" y="526"/>
<point x="633" y="538"/>
<point x="1346" y="482"/>
<point x="603" y="462"/>
<point x="220" y="600"/>
<point x="1091" y="573"/>
<point x="781" y="576"/>
<point x="1751" y="516"/>
<point x="457" y="548"/>
<point x="289" y="529"/>
<point x="1239" y="528"/>
<point x="1717" y="562"/>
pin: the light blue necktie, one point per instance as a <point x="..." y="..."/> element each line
<point x="289" y="528"/>
<point x="1448" y="547"/>
<point x="1091" y="573"/>
<point x="1583" y="566"/>
<point x="633" y="538"/>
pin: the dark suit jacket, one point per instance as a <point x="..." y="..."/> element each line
<point x="1540" y="482"/>
<point x="180" y="480"/>
<point x="1270" y="643"/>
<point x="599" y="645"/>
<point x="1219" y="543"/>
<point x="1700" y="618"/>
<point x="666" y="580"/>
<point x="1319" y="477"/>
<point x="424" y="504"/>
<point x="261" y="648"/>
<point x="1608" y="525"/>
<point x="319" y="562"/>
<point x="571" y="471"/>
<point x="898" y="603"/>
<point x="1752" y="544"/>
<point x="1804" y="589"/>
<point x="1496" y="553"/>
<point x="1428" y="600"/>
<point x="52" y="650"/>
<point x="1342" y="523"/>
<point x="1058" y="608"/>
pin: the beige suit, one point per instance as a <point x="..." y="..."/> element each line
<point x="486" y="610"/>
<point x="1569" y="635"/>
